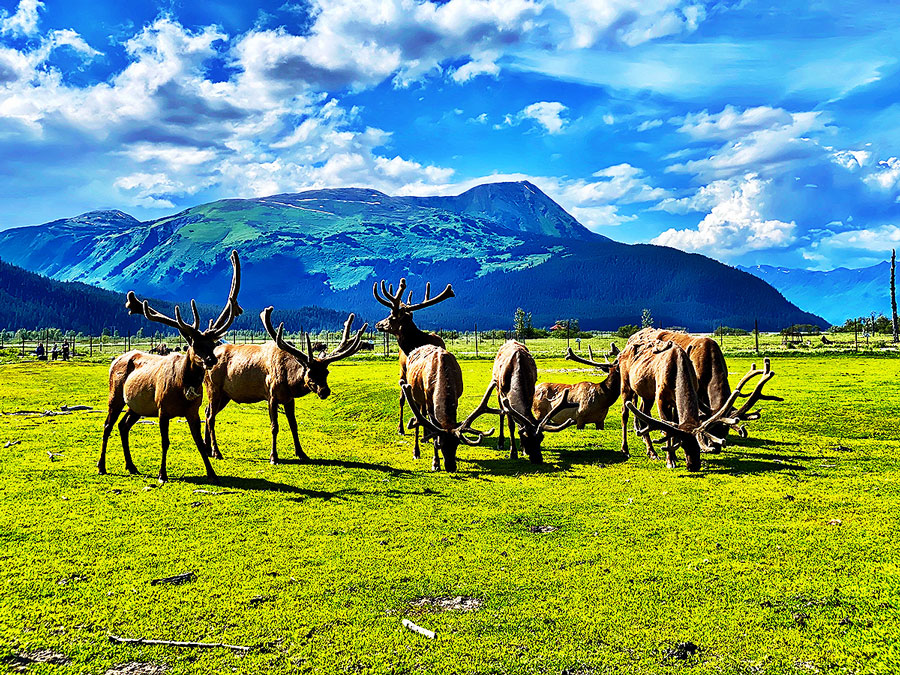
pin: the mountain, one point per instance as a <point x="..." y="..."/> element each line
<point x="837" y="294"/>
<point x="32" y="301"/>
<point x="502" y="246"/>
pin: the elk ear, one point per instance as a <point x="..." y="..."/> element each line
<point x="606" y="367"/>
<point x="690" y="347"/>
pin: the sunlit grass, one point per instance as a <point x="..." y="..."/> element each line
<point x="779" y="557"/>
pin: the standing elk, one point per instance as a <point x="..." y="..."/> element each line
<point x="400" y="324"/>
<point x="593" y="399"/>
<point x="432" y="390"/>
<point x="276" y="372"/>
<point x="515" y="376"/>
<point x="662" y="372"/>
<point x="167" y="386"/>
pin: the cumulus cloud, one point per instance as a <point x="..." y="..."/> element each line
<point x="735" y="225"/>
<point x="549" y="114"/>
<point x="24" y="21"/>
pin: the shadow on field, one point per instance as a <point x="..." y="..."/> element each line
<point x="351" y="464"/>
<point x="736" y="441"/>
<point x="261" y="484"/>
<point x="504" y="466"/>
<point x="750" y="463"/>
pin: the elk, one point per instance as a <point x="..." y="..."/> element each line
<point x="662" y="372"/>
<point x="167" y="386"/>
<point x="432" y="390"/>
<point x="276" y="372"/>
<point x="515" y="377"/>
<point x="593" y="399"/>
<point x="706" y="356"/>
<point x="400" y="324"/>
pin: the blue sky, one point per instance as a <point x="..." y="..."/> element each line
<point x="754" y="132"/>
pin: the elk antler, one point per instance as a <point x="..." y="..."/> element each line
<point x="348" y="346"/>
<point x="757" y="395"/>
<point x="544" y="423"/>
<point x="572" y="356"/>
<point x="706" y="440"/>
<point x="278" y="337"/>
<point x="395" y="301"/>
<point x="482" y="409"/>
<point x="387" y="297"/>
<point x="191" y="332"/>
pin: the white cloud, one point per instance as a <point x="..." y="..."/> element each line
<point x="24" y="21"/>
<point x="646" y="125"/>
<point x="546" y="113"/>
<point x="735" y="225"/>
<point x="762" y="142"/>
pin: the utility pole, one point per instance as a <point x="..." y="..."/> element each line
<point x="894" y="296"/>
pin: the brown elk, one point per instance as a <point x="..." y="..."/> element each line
<point x="515" y="376"/>
<point x="593" y="399"/>
<point x="432" y="390"/>
<point x="276" y="372"/>
<point x="167" y="386"/>
<point x="400" y="323"/>
<point x="706" y="355"/>
<point x="662" y="372"/>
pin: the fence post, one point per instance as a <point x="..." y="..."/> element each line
<point x="756" y="333"/>
<point x="91" y="343"/>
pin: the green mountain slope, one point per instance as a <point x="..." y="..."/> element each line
<point x="501" y="246"/>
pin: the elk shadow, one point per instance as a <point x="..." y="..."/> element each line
<point x="736" y="441"/>
<point x="353" y="464"/>
<point x="739" y="464"/>
<point x="263" y="485"/>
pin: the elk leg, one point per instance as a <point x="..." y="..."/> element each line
<point x="216" y="405"/>
<point x="400" y="429"/>
<point x="436" y="462"/>
<point x="513" y="451"/>
<point x="124" y="428"/>
<point x="115" y="409"/>
<point x="501" y="442"/>
<point x="292" y="423"/>
<point x="646" y="408"/>
<point x="197" y="434"/>
<point x="625" y="399"/>
<point x="273" y="423"/>
<point x="416" y="453"/>
<point x="164" y="435"/>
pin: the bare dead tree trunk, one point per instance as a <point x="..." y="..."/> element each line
<point x="894" y="294"/>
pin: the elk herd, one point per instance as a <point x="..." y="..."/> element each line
<point x="685" y="377"/>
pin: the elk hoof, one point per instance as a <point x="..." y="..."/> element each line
<point x="273" y="460"/>
<point x="131" y="469"/>
<point x="101" y="470"/>
<point x="652" y="454"/>
<point x="401" y="430"/>
<point x="436" y="467"/>
<point x="302" y="456"/>
<point x="501" y="445"/>
<point x="163" y="478"/>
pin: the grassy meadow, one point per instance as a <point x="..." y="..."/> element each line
<point x="780" y="556"/>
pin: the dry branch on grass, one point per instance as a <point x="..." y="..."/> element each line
<point x="177" y="643"/>
<point x="418" y="629"/>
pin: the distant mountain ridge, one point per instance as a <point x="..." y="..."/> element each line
<point x="837" y="294"/>
<point x="502" y="246"/>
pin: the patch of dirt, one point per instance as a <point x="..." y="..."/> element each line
<point x="460" y="603"/>
<point x="138" y="668"/>
<point x="19" y="663"/>
<point x="680" y="651"/>
<point x="541" y="529"/>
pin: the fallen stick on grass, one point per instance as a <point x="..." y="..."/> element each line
<point x="176" y="643"/>
<point x="418" y="629"/>
<point x="177" y="579"/>
<point x="9" y="444"/>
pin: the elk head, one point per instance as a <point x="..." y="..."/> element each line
<point x="401" y="312"/>
<point x="448" y="440"/>
<point x="315" y="370"/>
<point x="700" y="438"/>
<point x="531" y="431"/>
<point x="202" y="343"/>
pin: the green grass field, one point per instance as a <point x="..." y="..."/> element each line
<point x="780" y="556"/>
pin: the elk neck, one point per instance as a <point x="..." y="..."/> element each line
<point x="686" y="400"/>
<point x="410" y="337"/>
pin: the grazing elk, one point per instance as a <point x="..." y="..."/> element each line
<point x="713" y="388"/>
<point x="432" y="390"/>
<point x="167" y="386"/>
<point x="593" y="399"/>
<point x="400" y="324"/>
<point x="662" y="372"/>
<point x="515" y="376"/>
<point x="276" y="372"/>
